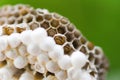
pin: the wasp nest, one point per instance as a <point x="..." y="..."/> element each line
<point x="38" y="45"/>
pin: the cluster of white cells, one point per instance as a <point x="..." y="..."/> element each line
<point x="43" y="54"/>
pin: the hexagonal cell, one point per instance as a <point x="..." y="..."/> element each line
<point x="83" y="40"/>
<point x="90" y="45"/>
<point x="70" y="27"/>
<point x="48" y="16"/>
<point x="23" y="12"/>
<point x="7" y="30"/>
<point x="54" y="23"/>
<point x="64" y="20"/>
<point x="19" y="30"/>
<point x="68" y="49"/>
<point x="19" y="20"/>
<point x="101" y="75"/>
<point x="102" y="66"/>
<point x="97" y="52"/>
<point x="69" y="36"/>
<point x="77" y="33"/>
<point x="11" y="20"/>
<point x="19" y="7"/>
<point x="61" y="29"/>
<point x="16" y="14"/>
<point x="105" y="63"/>
<point x="34" y="25"/>
<point x="97" y="61"/>
<point x="59" y="39"/>
<point x="29" y="19"/>
<point x="9" y="15"/>
<point x="91" y="57"/>
<point x="76" y="43"/>
<point x="51" y="32"/>
<point x="40" y="12"/>
<point x="39" y="18"/>
<point x="56" y="15"/>
<point x="83" y="49"/>
<point x="33" y="12"/>
<point x="45" y="25"/>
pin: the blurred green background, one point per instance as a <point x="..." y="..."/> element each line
<point x="98" y="20"/>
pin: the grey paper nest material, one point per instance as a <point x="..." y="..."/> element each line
<point x="38" y="45"/>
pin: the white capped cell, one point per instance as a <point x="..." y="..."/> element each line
<point x="47" y="44"/>
<point x="14" y="40"/>
<point x="12" y="53"/>
<point x="33" y="49"/>
<point x="26" y="76"/>
<point x="61" y="75"/>
<point x="25" y="37"/>
<point x="52" y="67"/>
<point x="74" y="73"/>
<point x="38" y="35"/>
<point x="42" y="58"/>
<point x="22" y="50"/>
<point x="39" y="68"/>
<point x="86" y="76"/>
<point x="3" y="43"/>
<point x="78" y="59"/>
<point x="56" y="53"/>
<point x="65" y="62"/>
<point x="77" y="75"/>
<point x="20" y="62"/>
<point x="5" y="74"/>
